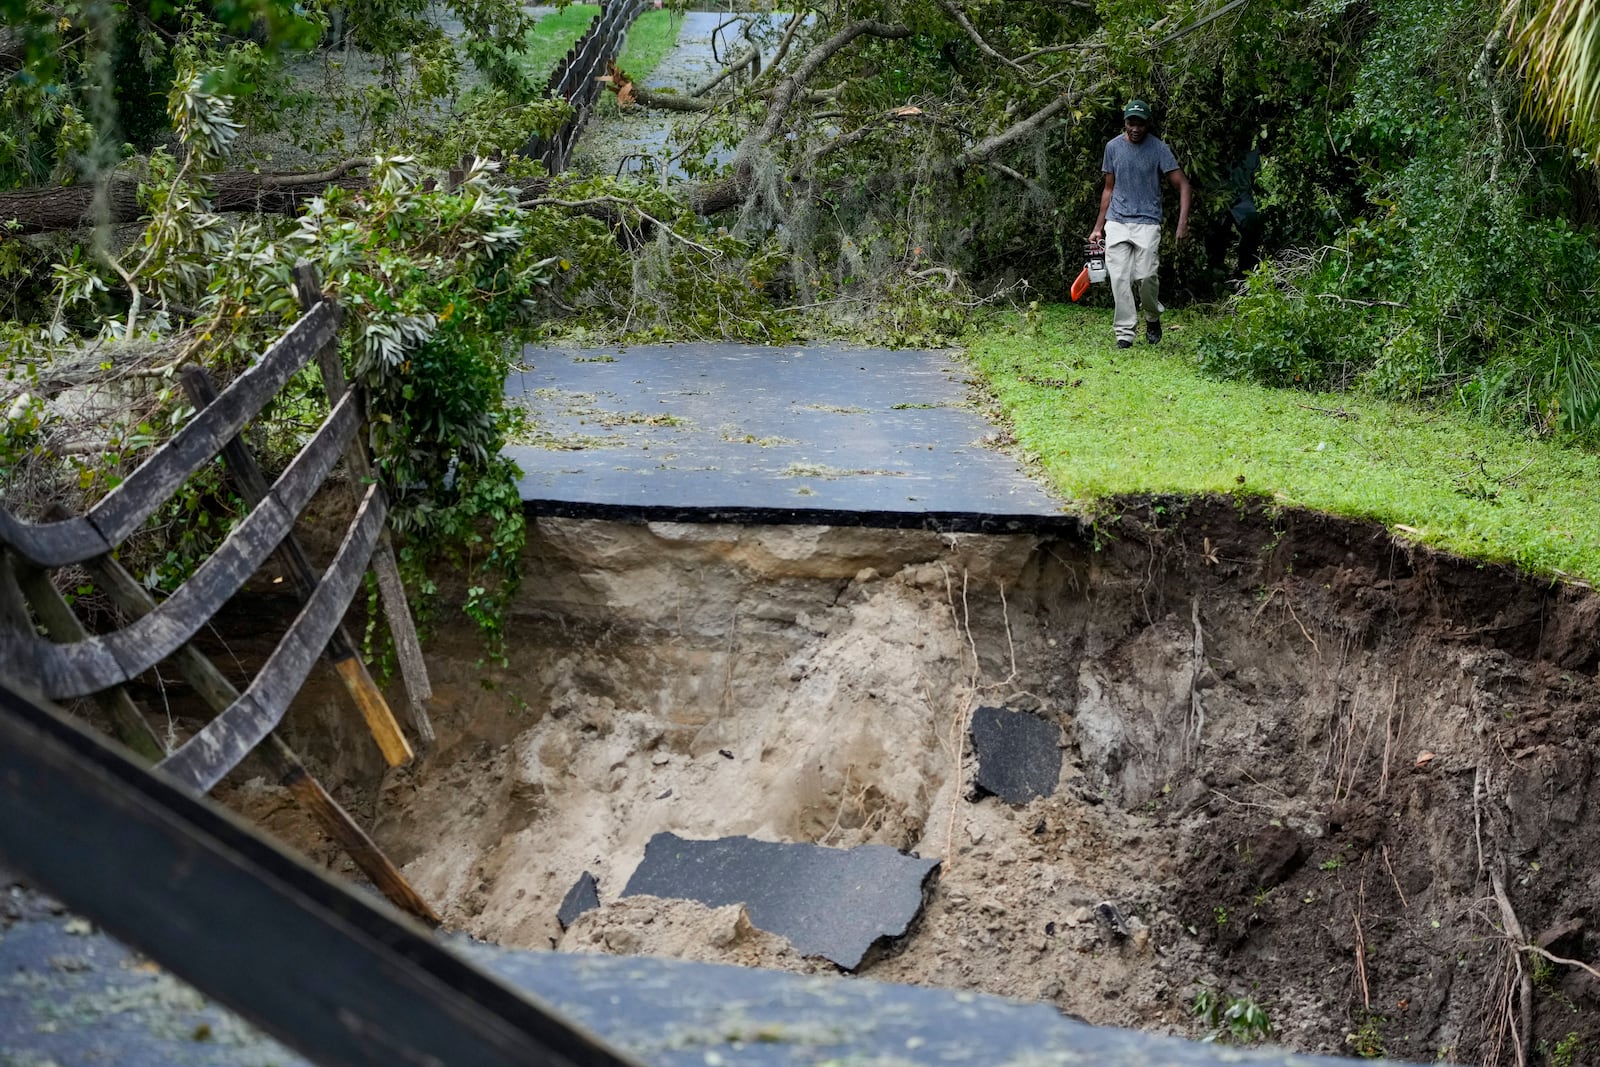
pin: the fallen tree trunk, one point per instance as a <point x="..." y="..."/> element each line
<point x="65" y="207"/>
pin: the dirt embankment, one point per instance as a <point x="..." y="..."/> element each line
<point x="1310" y="765"/>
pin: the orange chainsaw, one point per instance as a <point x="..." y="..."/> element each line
<point x="1094" y="269"/>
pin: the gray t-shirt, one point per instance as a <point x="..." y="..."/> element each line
<point x="1139" y="168"/>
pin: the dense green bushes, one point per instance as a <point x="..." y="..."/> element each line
<point x="1463" y="266"/>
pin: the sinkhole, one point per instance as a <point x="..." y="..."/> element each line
<point x="1296" y="761"/>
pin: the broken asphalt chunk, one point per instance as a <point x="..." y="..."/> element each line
<point x="1019" y="755"/>
<point x="584" y="895"/>
<point x="829" y="902"/>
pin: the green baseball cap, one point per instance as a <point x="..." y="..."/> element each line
<point x="1136" y="109"/>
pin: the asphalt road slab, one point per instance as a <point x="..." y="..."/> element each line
<point x="721" y="432"/>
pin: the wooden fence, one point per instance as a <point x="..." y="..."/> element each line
<point x="576" y="79"/>
<point x="69" y="662"/>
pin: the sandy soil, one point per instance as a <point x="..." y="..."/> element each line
<point x="1298" y="759"/>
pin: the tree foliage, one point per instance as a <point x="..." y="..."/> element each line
<point x="1558" y="42"/>
<point x="441" y="286"/>
<point x="883" y="167"/>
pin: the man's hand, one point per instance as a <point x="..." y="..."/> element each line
<point x="1183" y="231"/>
<point x="1097" y="235"/>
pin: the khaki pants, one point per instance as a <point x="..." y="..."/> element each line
<point x="1132" y="259"/>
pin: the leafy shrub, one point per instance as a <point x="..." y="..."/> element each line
<point x="1236" y="1020"/>
<point x="1459" y="276"/>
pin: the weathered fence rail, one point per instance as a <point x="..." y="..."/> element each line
<point x="225" y="909"/>
<point x="576" y="79"/>
<point x="70" y="662"/>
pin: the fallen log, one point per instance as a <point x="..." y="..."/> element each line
<point x="64" y="207"/>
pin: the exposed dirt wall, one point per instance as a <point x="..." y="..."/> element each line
<point x="1300" y="757"/>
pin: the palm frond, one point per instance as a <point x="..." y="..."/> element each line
<point x="1556" y="43"/>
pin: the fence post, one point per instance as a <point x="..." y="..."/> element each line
<point x="397" y="610"/>
<point x="342" y="652"/>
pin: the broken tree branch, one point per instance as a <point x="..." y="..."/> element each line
<point x="950" y="277"/>
<point x="749" y="56"/>
<point x="660" y="101"/>
<point x="797" y="19"/>
<point x="1525" y="981"/>
<point x="1020" y="131"/>
<point x="616" y="202"/>
<point x="1018" y="176"/>
<point x="788" y="89"/>
<point x="1048" y="50"/>
<point x="1198" y="23"/>
<point x="857" y="135"/>
<point x="972" y="33"/>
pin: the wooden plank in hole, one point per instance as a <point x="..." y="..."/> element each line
<point x="219" y="694"/>
<point x="51" y="544"/>
<point x="329" y="974"/>
<point x="59" y="621"/>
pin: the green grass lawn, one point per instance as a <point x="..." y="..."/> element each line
<point x="552" y="35"/>
<point x="651" y="37"/>
<point x="1105" y="422"/>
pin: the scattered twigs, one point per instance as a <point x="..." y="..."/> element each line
<point x="1361" y="941"/>
<point x="1553" y="958"/>
<point x="1194" y="734"/>
<point x="1403" y="902"/>
<point x="1332" y="413"/>
<point x="625" y="204"/>
<point x="1241" y="803"/>
<point x="1508" y="916"/>
<point x="1360" y="303"/>
<point x="1388" y="739"/>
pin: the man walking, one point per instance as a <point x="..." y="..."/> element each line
<point x="1130" y="220"/>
